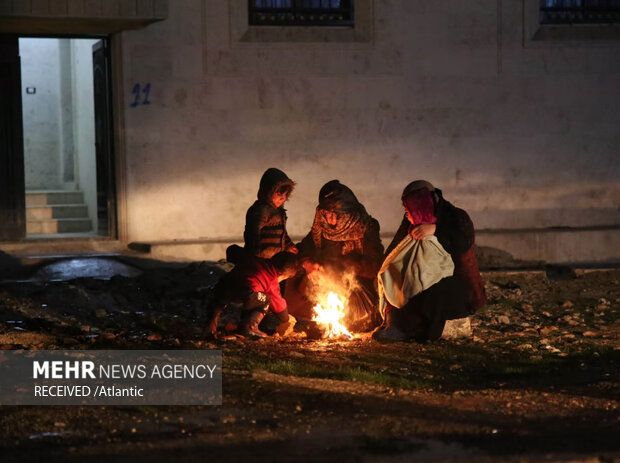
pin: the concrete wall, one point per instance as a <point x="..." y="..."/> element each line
<point x="43" y="138"/>
<point x="521" y="136"/>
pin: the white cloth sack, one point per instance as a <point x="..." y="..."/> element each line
<point x="411" y="267"/>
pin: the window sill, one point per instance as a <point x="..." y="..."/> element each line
<point x="535" y="34"/>
<point x="241" y="32"/>
<point x="600" y="33"/>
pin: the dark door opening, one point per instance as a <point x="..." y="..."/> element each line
<point x="12" y="210"/>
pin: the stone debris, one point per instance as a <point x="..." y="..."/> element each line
<point x="458" y="328"/>
<point x="168" y="306"/>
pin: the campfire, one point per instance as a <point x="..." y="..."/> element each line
<point x="329" y="314"/>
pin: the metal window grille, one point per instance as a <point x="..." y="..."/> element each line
<point x="579" y="11"/>
<point x="301" y="12"/>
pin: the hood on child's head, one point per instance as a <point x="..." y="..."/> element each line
<point x="272" y="180"/>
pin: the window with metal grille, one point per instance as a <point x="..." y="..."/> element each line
<point x="579" y="11"/>
<point x="301" y="13"/>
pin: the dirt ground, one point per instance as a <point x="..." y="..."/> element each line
<point x="537" y="382"/>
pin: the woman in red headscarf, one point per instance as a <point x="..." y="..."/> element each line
<point x="417" y="289"/>
<point x="455" y="231"/>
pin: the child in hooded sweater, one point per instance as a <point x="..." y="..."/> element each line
<point x="265" y="222"/>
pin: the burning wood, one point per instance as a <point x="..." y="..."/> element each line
<point x="329" y="316"/>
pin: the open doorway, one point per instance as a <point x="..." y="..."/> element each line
<point x="59" y="139"/>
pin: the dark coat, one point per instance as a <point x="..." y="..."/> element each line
<point x="455" y="232"/>
<point x="265" y="225"/>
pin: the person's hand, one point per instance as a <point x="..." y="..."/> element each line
<point x="424" y="229"/>
<point x="313" y="269"/>
<point x="310" y="266"/>
<point x="293" y="250"/>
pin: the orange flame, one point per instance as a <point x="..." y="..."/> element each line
<point x="331" y="316"/>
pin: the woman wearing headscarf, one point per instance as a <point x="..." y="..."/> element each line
<point x="345" y="246"/>
<point x="417" y="289"/>
<point x="455" y="232"/>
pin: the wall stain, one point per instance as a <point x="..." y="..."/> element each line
<point x="180" y="97"/>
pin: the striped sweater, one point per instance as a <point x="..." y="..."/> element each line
<point x="265" y="230"/>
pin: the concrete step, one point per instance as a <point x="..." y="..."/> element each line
<point x="50" y="226"/>
<point x="41" y="198"/>
<point x="64" y="211"/>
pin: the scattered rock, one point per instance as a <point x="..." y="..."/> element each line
<point x="550" y="348"/>
<point x="589" y="334"/>
<point x="525" y="307"/>
<point x="503" y="319"/>
<point x="100" y="313"/>
<point x="560" y="272"/>
<point x="548" y="329"/>
<point x="567" y="305"/>
<point x="154" y="337"/>
<point x="458" y="328"/>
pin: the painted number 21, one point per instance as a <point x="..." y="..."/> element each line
<point x="138" y="91"/>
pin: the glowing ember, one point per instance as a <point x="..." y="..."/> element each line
<point x="331" y="317"/>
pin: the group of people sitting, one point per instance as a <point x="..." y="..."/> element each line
<point x="427" y="275"/>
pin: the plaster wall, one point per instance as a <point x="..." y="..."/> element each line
<point x="520" y="135"/>
<point x="43" y="135"/>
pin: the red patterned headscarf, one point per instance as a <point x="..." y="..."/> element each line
<point x="420" y="205"/>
